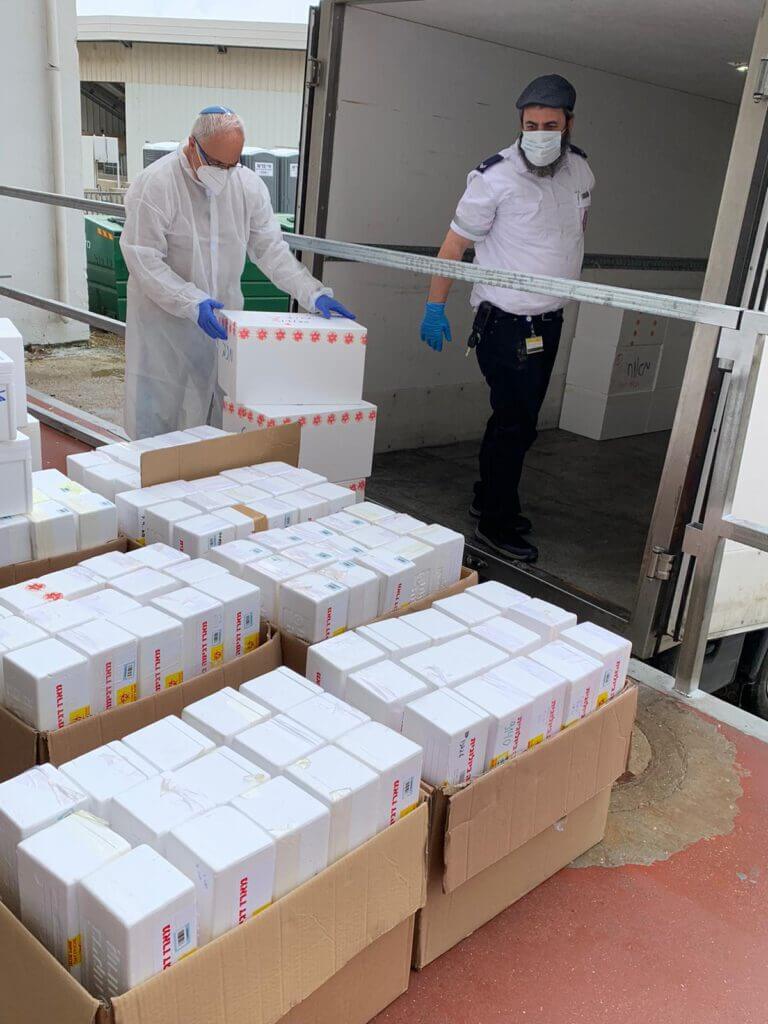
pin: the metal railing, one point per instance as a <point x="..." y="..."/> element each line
<point x="741" y="340"/>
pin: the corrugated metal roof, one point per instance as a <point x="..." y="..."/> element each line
<point x="195" y="31"/>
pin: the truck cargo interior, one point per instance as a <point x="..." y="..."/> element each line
<point x="426" y="90"/>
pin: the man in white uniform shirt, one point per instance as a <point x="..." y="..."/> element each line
<point x="524" y="209"/>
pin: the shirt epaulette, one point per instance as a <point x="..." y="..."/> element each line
<point x="577" y="151"/>
<point x="489" y="162"/>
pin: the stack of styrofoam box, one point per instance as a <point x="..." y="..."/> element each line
<point x="16" y="449"/>
<point x="476" y="679"/>
<point x="68" y="517"/>
<point x="277" y="368"/>
<point x="624" y="373"/>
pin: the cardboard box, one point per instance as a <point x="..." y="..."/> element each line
<point x="106" y="771"/>
<point x="330" y="952"/>
<point x="495" y="840"/>
<point x="224" y="714"/>
<point x="332" y="661"/>
<point x="382" y="691"/>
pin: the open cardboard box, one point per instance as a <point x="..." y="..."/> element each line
<point x="493" y="841"/>
<point x="334" y="951"/>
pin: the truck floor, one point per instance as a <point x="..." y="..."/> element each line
<point x="590" y="501"/>
<point x="662" y="921"/>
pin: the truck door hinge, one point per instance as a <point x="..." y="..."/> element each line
<point x="314" y="72"/>
<point x="661" y="564"/>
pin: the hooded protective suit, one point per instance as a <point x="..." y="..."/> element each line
<point x="183" y="245"/>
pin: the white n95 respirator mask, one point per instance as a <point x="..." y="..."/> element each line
<point x="214" y="178"/>
<point x="541" y="148"/>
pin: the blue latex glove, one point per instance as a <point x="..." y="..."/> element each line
<point x="435" y="326"/>
<point x="326" y="305"/>
<point x="207" y="320"/>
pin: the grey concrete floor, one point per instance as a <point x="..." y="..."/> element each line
<point x="590" y="501"/>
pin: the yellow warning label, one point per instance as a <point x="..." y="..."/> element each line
<point x="602" y="698"/>
<point x="259" y="909"/>
<point x="217" y="654"/>
<point x="534" y="740"/>
<point x="338" y="632"/>
<point x="80" y="713"/>
<point x="250" y="643"/>
<point x="127" y="694"/>
<point x="74" y="951"/>
<point x="500" y="759"/>
<point x="408" y="809"/>
<point x="173" y="679"/>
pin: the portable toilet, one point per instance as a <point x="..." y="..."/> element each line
<point x="154" y="150"/>
<point x="266" y="165"/>
<point x="288" y="160"/>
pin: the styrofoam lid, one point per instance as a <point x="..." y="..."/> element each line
<point x="20" y="447"/>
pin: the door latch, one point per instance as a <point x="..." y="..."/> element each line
<point x="661" y="564"/>
<point x="314" y="72"/>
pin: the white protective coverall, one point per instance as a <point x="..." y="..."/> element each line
<point x="183" y="245"/>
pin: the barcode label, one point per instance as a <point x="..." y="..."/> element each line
<point x="217" y="636"/>
<point x="129" y="671"/>
<point x="182" y="938"/>
<point x="408" y="786"/>
<point x="248" y="621"/>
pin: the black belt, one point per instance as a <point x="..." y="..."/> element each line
<point x="556" y="314"/>
<point x="487" y="314"/>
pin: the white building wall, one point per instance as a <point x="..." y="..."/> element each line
<point x="27" y="236"/>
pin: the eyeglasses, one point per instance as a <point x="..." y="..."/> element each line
<point x="215" y="163"/>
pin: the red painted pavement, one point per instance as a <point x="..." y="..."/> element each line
<point x="56" y="447"/>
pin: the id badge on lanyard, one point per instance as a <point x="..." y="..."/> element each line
<point x="534" y="343"/>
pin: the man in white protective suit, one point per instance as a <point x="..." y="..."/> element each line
<point x="191" y="218"/>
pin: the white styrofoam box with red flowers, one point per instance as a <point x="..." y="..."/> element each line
<point x="291" y="358"/>
<point x="336" y="440"/>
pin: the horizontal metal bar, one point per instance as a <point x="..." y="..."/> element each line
<point x="753" y="535"/>
<point x="103" y="323"/>
<point x="71" y="202"/>
<point x="66" y="419"/>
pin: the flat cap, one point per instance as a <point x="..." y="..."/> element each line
<point x="548" y="91"/>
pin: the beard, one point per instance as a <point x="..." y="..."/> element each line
<point x="549" y="170"/>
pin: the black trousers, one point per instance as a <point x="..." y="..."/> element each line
<point x="518" y="380"/>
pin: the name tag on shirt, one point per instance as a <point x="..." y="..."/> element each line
<point x="534" y="344"/>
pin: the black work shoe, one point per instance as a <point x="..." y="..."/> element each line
<point x="508" y="542"/>
<point x="521" y="524"/>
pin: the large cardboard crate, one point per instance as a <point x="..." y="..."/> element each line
<point x="334" y="951"/>
<point x="493" y="841"/>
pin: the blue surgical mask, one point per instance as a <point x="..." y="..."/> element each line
<point x="541" y="148"/>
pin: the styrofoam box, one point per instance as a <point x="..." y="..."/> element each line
<point x="510" y="713"/>
<point x="336" y="498"/>
<point x="436" y="626"/>
<point x="363" y="587"/>
<point x="157" y="556"/>
<point x="330" y="662"/>
<point x="72" y="583"/>
<point x="303" y="479"/>
<point x="232" y="863"/>
<point x="499" y="595"/>
<point x="112" y="662"/>
<point x="425" y="559"/>
<point x="16" y="472"/>
<point x="247" y="494"/>
<point x="96" y="519"/>
<point x="146" y="813"/>
<point x="15" y="540"/>
<point x="269" y="575"/>
<point x="109" y="566"/>
<point x="542" y="617"/>
<point x="613" y="650"/>
<point x="28" y="803"/>
<point x="52" y="482"/>
<point x="224" y="714"/>
<point x="336" y="440"/>
<point x="7" y="398"/>
<point x="342" y="522"/>
<point x="210" y="502"/>
<point x="583" y="673"/>
<point x="159" y="520"/>
<point x="194" y="571"/>
<point x="277" y="514"/>
<point x="373" y="537"/>
<point x="469" y="611"/>
<point x="511" y="637"/>
<point x="299" y="826"/>
<point x="373" y="513"/>
<point x="160" y="641"/>
<point x="106" y="771"/>
<point x="272" y="468"/>
<point x="20" y="597"/>
<point x="313" y="557"/>
<point x="237" y="553"/>
<point x="277" y="743"/>
<point x="312" y="607"/>
<point x="382" y="690"/>
<point x="12" y="344"/>
<point x="80" y="461"/>
<point x="279" y="540"/>
<point x="196" y="536"/>
<point x="327" y="716"/>
<point x="47" y="685"/>
<point x="124" y="452"/>
<point x="308" y="506"/>
<point x="345" y="547"/>
<point x="243" y="524"/>
<point x="314" y="533"/>
<point x="54" y="530"/>
<point x="396" y="638"/>
<point x="107" y="604"/>
<point x="396" y="577"/>
<point x="60" y="616"/>
<point x="220" y="775"/>
<point x="110" y="479"/>
<point x="455" y="661"/>
<point x="273" y="486"/>
<point x="16" y="633"/>
<point x="51" y="864"/>
<point x="241" y="604"/>
<point x="453" y="732"/>
<point x="202" y="619"/>
<point x="145" y="585"/>
<point x="132" y="506"/>
<point x="205" y="433"/>
<point x="548" y="690"/>
<point x="242" y="475"/>
<point x="169" y="743"/>
<point x="31" y="429"/>
<point x="396" y="760"/>
<point x="280" y="690"/>
<point x="449" y="548"/>
<point x="404" y="525"/>
<point x="138" y="917"/>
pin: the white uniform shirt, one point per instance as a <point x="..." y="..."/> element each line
<point x="520" y="221"/>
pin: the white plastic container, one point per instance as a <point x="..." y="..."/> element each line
<point x="279" y="540"/>
<point x="198" y="535"/>
<point x="583" y="673"/>
<point x="330" y="662"/>
<point x="28" y="803"/>
<point x="202" y="619"/>
<point x="241" y="605"/>
<point x="169" y="743"/>
<point x="160" y="642"/>
<point x="106" y="771"/>
<point x="312" y="607"/>
<point x="54" y="529"/>
<point x="363" y="587"/>
<point x="220" y="775"/>
<point x="222" y="715"/>
<point x="16" y="633"/>
<point x="109" y="566"/>
<point x="280" y="690"/>
<point x="348" y="788"/>
<point x="276" y="743"/>
<point x="299" y="826"/>
<point x="12" y="344"/>
<point x="47" y="685"/>
<point x="232" y="863"/>
<point x="236" y="554"/>
<point x="395" y="637"/>
<point x="453" y="732"/>
<point x="107" y="604"/>
<point x="196" y="570"/>
<point x="80" y="461"/>
<point x="510" y="713"/>
<point x="327" y="716"/>
<point x="396" y="578"/>
<point x="7" y="398"/>
<point x="157" y="556"/>
<point x="548" y="691"/>
<point x="269" y="575"/>
<point x="436" y="626"/>
<point x="138" y="918"/>
<point x="515" y="640"/>
<point x="455" y="662"/>
<point x="15" y="540"/>
<point x="16" y="473"/>
<point x="51" y="865"/>
<point x="612" y="650"/>
<point x="449" y="553"/>
<point x="336" y="498"/>
<point x="396" y="760"/>
<point x="469" y="611"/>
<point x="159" y="520"/>
<point x="112" y="655"/>
<point x="145" y="585"/>
<point x="382" y="690"/>
<point x="543" y="618"/>
<point x="498" y="594"/>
